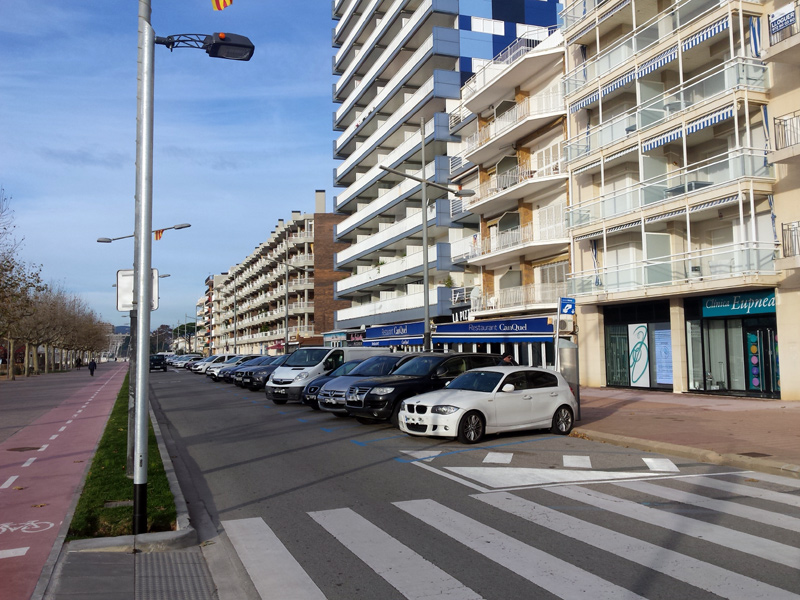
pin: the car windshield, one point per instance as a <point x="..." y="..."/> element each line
<point x="307" y="357"/>
<point x="421" y="365"/>
<point x="377" y="365"/>
<point x="476" y="381"/>
<point x="258" y="360"/>
<point x="232" y="360"/>
<point x="345" y="368"/>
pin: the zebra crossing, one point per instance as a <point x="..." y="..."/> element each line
<point x="731" y="535"/>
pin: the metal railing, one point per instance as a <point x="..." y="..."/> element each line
<point x="791" y="239"/>
<point x="787" y="130"/>
<point x="783" y="23"/>
<point x="519" y="297"/>
<point x="731" y="260"/>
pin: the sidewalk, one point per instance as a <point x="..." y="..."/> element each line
<point x="748" y="434"/>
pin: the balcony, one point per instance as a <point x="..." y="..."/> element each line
<point x="787" y="139"/>
<point x="711" y="267"/>
<point x="390" y="270"/>
<point x="783" y="38"/>
<point x="790" y="246"/>
<point x="545" y="237"/>
<point x="715" y="173"/>
<point x="525" y="118"/>
<point x="544" y="170"/>
<point x="404" y="308"/>
<point x="524" y="298"/>
<point x="718" y="82"/>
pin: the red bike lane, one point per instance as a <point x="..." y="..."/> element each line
<point x="41" y="469"/>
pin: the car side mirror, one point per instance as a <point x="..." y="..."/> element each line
<point x="509" y="387"/>
<point x="440" y="372"/>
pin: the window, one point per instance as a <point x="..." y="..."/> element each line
<point x="540" y="379"/>
<point x="518" y="380"/>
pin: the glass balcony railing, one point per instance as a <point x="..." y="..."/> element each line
<point x="716" y="171"/>
<point x="733" y="260"/>
<point x="739" y="73"/>
<point x="519" y="297"/>
<point x="661" y="26"/>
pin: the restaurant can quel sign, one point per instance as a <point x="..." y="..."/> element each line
<point x="739" y="305"/>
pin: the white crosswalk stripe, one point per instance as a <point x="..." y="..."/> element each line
<point x="548" y="572"/>
<point x="411" y="566"/>
<point x="500" y="458"/>
<point x="577" y="462"/>
<point x="700" y="574"/>
<point x="407" y="571"/>
<point x="660" y="464"/>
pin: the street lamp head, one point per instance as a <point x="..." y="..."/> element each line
<point x="103" y="240"/>
<point x="165" y="275"/>
<point x="182" y="226"/>
<point x="228" y="45"/>
<point x="464" y="193"/>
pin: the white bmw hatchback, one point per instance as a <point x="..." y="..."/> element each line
<point x="491" y="400"/>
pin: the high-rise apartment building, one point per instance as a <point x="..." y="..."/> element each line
<point x="398" y="62"/>
<point x="677" y="197"/>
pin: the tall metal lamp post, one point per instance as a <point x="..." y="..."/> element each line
<point x="219" y="45"/>
<point x="426" y="305"/>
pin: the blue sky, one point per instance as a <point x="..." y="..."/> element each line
<point x="237" y="145"/>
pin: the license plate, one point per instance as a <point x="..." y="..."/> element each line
<point x="279" y="391"/>
<point x="245" y="380"/>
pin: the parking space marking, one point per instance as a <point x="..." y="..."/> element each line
<point x="578" y="462"/>
<point x="499" y="458"/>
<point x="425" y="455"/>
<point x="360" y="443"/>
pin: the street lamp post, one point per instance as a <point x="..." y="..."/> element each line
<point x="426" y="306"/>
<point x="105" y="240"/>
<point x="216" y="45"/>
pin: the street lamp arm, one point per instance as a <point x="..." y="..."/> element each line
<point x="218" y="45"/>
<point x="458" y="192"/>
<point x="182" y="40"/>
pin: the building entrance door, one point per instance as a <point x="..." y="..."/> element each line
<point x="763" y="367"/>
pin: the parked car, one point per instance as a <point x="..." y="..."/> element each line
<point x="491" y="400"/>
<point x="256" y="378"/>
<point x="158" y="362"/>
<point x="187" y="364"/>
<point x="202" y="366"/>
<point x="379" y="398"/>
<point x="331" y="396"/>
<point x="229" y="374"/>
<point x="309" y="394"/>
<point x="304" y="364"/>
<point x="235" y="360"/>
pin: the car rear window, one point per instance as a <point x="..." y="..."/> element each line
<point x="377" y="365"/>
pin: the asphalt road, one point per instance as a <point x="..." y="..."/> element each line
<point x="316" y="506"/>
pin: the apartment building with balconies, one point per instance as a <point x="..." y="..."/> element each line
<point x="283" y="290"/>
<point x="398" y="63"/>
<point x="675" y="204"/>
<point x="513" y="243"/>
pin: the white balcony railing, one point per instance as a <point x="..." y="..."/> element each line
<point x="716" y="171"/>
<point x="520" y="297"/>
<point x="380" y="307"/>
<point x="732" y="260"/>
<point x="388" y="269"/>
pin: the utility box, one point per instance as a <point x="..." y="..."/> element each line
<point x="568" y="365"/>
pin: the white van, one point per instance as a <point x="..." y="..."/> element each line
<point x="288" y="380"/>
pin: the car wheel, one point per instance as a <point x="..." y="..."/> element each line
<point x="471" y="428"/>
<point x="562" y="421"/>
<point x="366" y="420"/>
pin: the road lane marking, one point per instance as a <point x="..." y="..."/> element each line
<point x="13" y="552"/>
<point x="746" y="490"/>
<point x="557" y="576"/>
<point x="273" y="570"/>
<point x="70" y="421"/>
<point x="735" y="540"/>
<point x="507" y="477"/>
<point x="52" y="437"/>
<point x="661" y="464"/>
<point x="578" y="462"/>
<point x="8" y="482"/>
<point x="63" y="428"/>
<point x="426" y="455"/>
<point x="706" y="576"/>
<point x="500" y="458"/>
<point x="29" y="462"/>
<point x="405" y="570"/>
<point x="759" y="515"/>
<point x="43" y="448"/>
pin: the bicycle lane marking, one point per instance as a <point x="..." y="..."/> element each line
<point x="35" y="508"/>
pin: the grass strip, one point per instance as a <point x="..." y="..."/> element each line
<point x="106" y="483"/>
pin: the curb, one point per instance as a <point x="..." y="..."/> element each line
<point x="772" y="467"/>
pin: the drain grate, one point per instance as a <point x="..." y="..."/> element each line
<point x="754" y="454"/>
<point x="24" y="449"/>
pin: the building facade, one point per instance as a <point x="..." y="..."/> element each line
<point x="398" y="64"/>
<point x="676" y="198"/>
<point x="287" y="280"/>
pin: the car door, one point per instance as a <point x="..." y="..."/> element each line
<point x="513" y="409"/>
<point x="543" y="387"/>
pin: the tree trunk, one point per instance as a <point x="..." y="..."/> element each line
<point x="11" y="365"/>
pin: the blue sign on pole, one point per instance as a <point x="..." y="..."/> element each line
<point x="567" y="306"/>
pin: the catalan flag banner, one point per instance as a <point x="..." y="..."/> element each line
<point x="158" y="233"/>
<point x="221" y="4"/>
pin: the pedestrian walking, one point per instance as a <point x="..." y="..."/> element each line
<point x="78" y="363"/>
<point x="92" y="367"/>
<point x="508" y="359"/>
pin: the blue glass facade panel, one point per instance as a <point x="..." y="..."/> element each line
<point x="477" y="8"/>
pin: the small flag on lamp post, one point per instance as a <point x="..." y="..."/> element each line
<point x="221" y="4"/>
<point x="158" y="233"/>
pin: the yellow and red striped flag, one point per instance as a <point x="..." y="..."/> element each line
<point x="221" y="4"/>
<point x="158" y="233"/>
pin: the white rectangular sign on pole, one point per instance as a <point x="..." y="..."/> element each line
<point x="125" y="298"/>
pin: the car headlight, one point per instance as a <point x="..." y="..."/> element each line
<point x="444" y="409"/>
<point x="303" y="375"/>
<point x="270" y="377"/>
<point x="380" y="391"/>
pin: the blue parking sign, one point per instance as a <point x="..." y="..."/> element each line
<point x="567" y="306"/>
